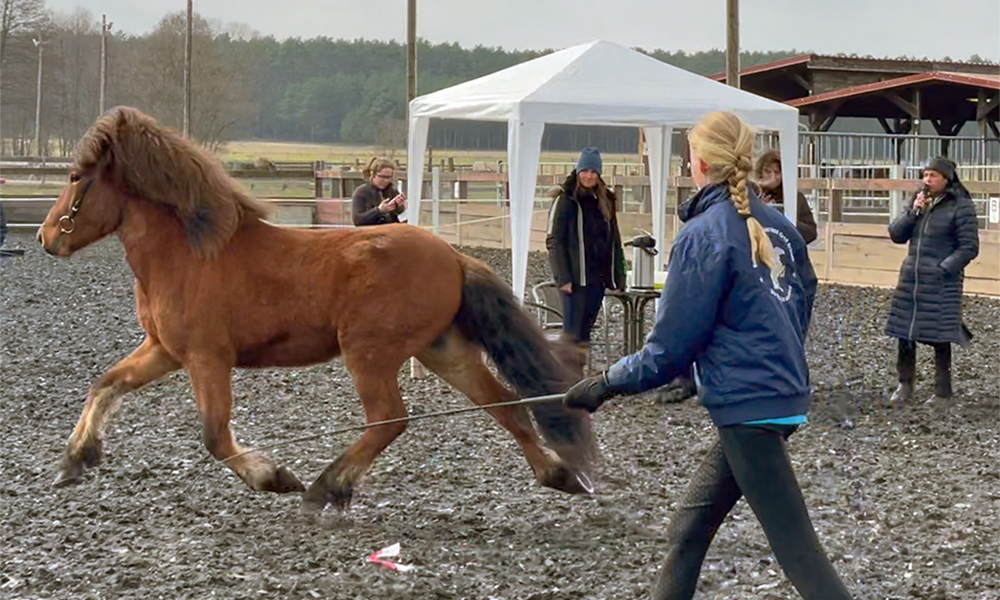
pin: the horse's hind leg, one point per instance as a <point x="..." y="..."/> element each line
<point x="212" y="383"/>
<point x="460" y="363"/>
<point x="382" y="401"/>
<point x="147" y="363"/>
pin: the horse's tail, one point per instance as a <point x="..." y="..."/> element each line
<point x="490" y="316"/>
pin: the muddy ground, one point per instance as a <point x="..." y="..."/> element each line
<point x="905" y="501"/>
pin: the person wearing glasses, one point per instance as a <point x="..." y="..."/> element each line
<point x="378" y="202"/>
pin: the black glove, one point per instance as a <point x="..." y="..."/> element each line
<point x="589" y="393"/>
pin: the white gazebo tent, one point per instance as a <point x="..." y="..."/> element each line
<point x="599" y="83"/>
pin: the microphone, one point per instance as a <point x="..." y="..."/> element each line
<point x="925" y="190"/>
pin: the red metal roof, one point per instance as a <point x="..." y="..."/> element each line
<point x="771" y="66"/>
<point x="970" y="79"/>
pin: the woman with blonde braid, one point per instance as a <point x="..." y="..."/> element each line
<point x="737" y="303"/>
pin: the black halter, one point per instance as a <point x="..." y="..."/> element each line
<point x="66" y="223"/>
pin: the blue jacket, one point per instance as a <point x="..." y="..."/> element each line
<point x="743" y="328"/>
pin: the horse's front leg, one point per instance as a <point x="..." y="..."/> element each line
<point x="382" y="401"/>
<point x="212" y="383"/>
<point x="147" y="363"/>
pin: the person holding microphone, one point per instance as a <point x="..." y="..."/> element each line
<point x="943" y="233"/>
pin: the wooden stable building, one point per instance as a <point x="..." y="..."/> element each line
<point x="899" y="93"/>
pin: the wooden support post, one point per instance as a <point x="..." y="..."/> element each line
<point x="436" y="199"/>
<point x="733" y="43"/>
<point x="836" y="206"/>
<point x="685" y="151"/>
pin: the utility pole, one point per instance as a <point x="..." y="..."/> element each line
<point x="105" y="28"/>
<point x="38" y="98"/>
<point x="733" y="43"/>
<point x="187" y="71"/>
<point x="411" y="50"/>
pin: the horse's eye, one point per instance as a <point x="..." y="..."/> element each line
<point x="74" y="177"/>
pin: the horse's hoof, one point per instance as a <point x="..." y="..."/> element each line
<point x="284" y="481"/>
<point x="92" y="454"/>
<point x="319" y="496"/>
<point x="74" y="467"/>
<point x="72" y="474"/>
<point x="567" y="480"/>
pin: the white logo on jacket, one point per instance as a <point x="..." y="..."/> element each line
<point x="780" y="288"/>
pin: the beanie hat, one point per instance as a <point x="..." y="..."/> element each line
<point x="943" y="166"/>
<point x="590" y="158"/>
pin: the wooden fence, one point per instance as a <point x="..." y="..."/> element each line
<point x="846" y="252"/>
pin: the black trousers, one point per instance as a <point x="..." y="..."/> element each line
<point x="750" y="461"/>
<point x="580" y="308"/>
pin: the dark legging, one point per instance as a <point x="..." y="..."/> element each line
<point x="580" y="308"/>
<point x="751" y="461"/>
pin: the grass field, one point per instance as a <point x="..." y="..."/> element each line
<point x="249" y="151"/>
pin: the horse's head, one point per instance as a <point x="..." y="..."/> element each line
<point x="92" y="205"/>
<point x="88" y="208"/>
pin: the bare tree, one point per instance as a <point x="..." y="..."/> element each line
<point x="74" y="87"/>
<point x="20" y="18"/>
<point x="219" y="82"/>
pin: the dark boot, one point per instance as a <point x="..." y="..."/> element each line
<point x="942" y="370"/>
<point x="906" y="364"/>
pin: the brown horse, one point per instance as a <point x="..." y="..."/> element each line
<point x="217" y="287"/>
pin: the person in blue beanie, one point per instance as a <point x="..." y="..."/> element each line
<point x="585" y="247"/>
<point x="737" y="302"/>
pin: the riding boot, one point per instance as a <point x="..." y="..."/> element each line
<point x="906" y="364"/>
<point x="942" y="370"/>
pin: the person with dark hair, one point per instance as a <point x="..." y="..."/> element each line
<point x="737" y="302"/>
<point x="767" y="175"/>
<point x="378" y="201"/>
<point x="585" y="247"/>
<point x="943" y="232"/>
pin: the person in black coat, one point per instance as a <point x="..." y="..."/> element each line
<point x="378" y="201"/>
<point x="941" y="228"/>
<point x="585" y="247"/>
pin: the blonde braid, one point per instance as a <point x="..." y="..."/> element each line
<point x="725" y="143"/>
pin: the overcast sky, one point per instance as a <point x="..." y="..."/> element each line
<point x="931" y="28"/>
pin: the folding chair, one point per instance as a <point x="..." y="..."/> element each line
<point x="547" y="304"/>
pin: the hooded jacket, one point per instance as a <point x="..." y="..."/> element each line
<point x="568" y="242"/>
<point x="927" y="302"/>
<point x="743" y="325"/>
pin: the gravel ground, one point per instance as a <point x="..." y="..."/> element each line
<point x="905" y="500"/>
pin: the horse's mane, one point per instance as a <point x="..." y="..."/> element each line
<point x="143" y="158"/>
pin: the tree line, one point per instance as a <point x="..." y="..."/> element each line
<point x="248" y="86"/>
